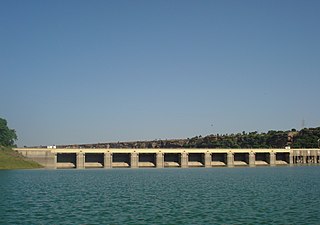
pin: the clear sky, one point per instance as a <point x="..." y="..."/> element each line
<point x="98" y="71"/>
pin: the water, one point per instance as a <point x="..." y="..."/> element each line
<point x="268" y="195"/>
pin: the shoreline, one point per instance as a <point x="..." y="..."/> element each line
<point x="12" y="160"/>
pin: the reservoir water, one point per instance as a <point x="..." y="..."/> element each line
<point x="263" y="195"/>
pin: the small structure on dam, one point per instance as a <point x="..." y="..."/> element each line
<point x="163" y="158"/>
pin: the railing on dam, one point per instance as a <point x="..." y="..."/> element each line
<point x="161" y="158"/>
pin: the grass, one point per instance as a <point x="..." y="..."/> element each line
<point x="10" y="159"/>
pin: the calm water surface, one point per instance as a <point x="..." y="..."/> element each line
<point x="268" y="195"/>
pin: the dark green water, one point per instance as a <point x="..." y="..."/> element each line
<point x="268" y="195"/>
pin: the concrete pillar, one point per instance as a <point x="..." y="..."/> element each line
<point x="230" y="159"/>
<point x="252" y="159"/>
<point x="315" y="156"/>
<point x="184" y="160"/>
<point x="134" y="160"/>
<point x="207" y="159"/>
<point x="272" y="159"/>
<point x="304" y="157"/>
<point x="107" y="160"/>
<point x="54" y="161"/>
<point x="80" y="160"/>
<point x="311" y="156"/>
<point x="296" y="157"/>
<point x="291" y="156"/>
<point x="300" y="157"/>
<point x="160" y="160"/>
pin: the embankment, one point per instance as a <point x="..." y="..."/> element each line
<point x="10" y="159"/>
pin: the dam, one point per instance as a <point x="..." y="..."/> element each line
<point x="81" y="158"/>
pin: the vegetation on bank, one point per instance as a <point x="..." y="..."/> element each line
<point x="10" y="159"/>
<point x="305" y="138"/>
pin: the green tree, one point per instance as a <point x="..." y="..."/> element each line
<point x="7" y="136"/>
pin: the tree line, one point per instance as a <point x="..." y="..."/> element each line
<point x="7" y="136"/>
<point x="305" y="138"/>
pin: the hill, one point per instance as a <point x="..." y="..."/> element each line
<point x="305" y="138"/>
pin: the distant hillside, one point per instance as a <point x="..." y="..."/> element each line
<point x="305" y="138"/>
<point x="10" y="159"/>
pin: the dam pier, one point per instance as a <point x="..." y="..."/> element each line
<point x="82" y="158"/>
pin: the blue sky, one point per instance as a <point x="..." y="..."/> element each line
<point x="98" y="71"/>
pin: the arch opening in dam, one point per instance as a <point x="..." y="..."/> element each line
<point x="121" y="160"/>
<point x="282" y="158"/>
<point x="94" y="160"/>
<point x="241" y="159"/>
<point x="196" y="160"/>
<point x="147" y="160"/>
<point x="262" y="159"/>
<point x="218" y="159"/>
<point x="66" y="160"/>
<point x="172" y="160"/>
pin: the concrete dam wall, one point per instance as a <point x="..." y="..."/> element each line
<point x="161" y="158"/>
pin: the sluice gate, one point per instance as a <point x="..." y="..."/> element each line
<point x="219" y="159"/>
<point x="172" y="160"/>
<point x="121" y="160"/>
<point x="147" y="160"/>
<point x="66" y="160"/>
<point x="195" y="160"/>
<point x="94" y="160"/>
<point x="282" y="158"/>
<point x="262" y="159"/>
<point x="241" y="159"/>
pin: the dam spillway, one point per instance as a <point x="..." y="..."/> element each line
<point x="81" y="158"/>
